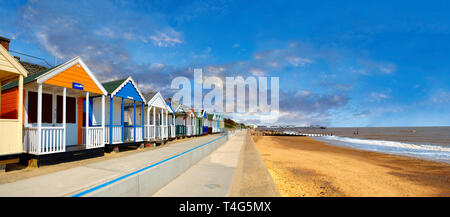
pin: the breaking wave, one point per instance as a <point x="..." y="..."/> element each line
<point x="433" y="152"/>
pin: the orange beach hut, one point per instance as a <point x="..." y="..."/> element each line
<point x="57" y="108"/>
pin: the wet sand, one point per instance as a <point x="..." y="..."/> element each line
<point x="302" y="166"/>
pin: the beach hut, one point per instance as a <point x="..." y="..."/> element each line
<point x="57" y="123"/>
<point x="124" y="116"/>
<point x="11" y="109"/>
<point x="211" y="123"/>
<point x="215" y="123"/>
<point x="156" y="125"/>
<point x="218" y="123"/>
<point x="199" y="121"/>
<point x="180" y="119"/>
<point x="191" y="125"/>
<point x="221" y="123"/>
<point x="171" y="121"/>
<point x="204" y="123"/>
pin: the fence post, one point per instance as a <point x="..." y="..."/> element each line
<point x="39" y="118"/>
<point x="64" y="119"/>
<point x="87" y="120"/>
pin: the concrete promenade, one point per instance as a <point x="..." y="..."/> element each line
<point x="235" y="169"/>
<point x="210" y="177"/>
<point x="252" y="178"/>
<point x="117" y="177"/>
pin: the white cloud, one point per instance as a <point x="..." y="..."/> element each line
<point x="105" y="32"/>
<point x="215" y="69"/>
<point x="50" y="47"/>
<point x="376" y="67"/>
<point x="344" y="86"/>
<point x="377" y="97"/>
<point x="128" y="36"/>
<point x="157" y="66"/>
<point x="257" y="72"/>
<point x="441" y="97"/>
<point x="387" y="68"/>
<point x="358" y="71"/>
<point x="298" y="61"/>
<point x="164" y="40"/>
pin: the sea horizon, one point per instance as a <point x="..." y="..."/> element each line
<point x="429" y="143"/>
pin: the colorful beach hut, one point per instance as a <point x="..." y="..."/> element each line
<point x="220" y="123"/>
<point x="11" y="109"/>
<point x="156" y="125"/>
<point x="210" y="123"/>
<point x="171" y="121"/>
<point x="204" y="123"/>
<point x="214" y="123"/>
<point x="191" y="125"/>
<point x="57" y="123"/>
<point x="180" y="119"/>
<point x="200" y="122"/>
<point x="124" y="116"/>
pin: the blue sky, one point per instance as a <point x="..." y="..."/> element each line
<point x="346" y="63"/>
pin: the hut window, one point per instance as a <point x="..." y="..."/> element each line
<point x="47" y="105"/>
<point x="33" y="107"/>
<point x="70" y="110"/>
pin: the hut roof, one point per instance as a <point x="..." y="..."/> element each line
<point x="113" y="85"/>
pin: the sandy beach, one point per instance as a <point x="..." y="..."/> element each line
<point x="304" y="167"/>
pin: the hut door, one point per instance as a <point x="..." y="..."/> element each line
<point x="71" y="120"/>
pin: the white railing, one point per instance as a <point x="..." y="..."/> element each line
<point x="95" y="137"/>
<point x="30" y="140"/>
<point x="139" y="132"/>
<point x="165" y="132"/>
<point x="129" y="133"/>
<point x="116" y="134"/>
<point x="159" y="132"/>
<point x="188" y="130"/>
<point x="150" y="133"/>
<point x="52" y="140"/>
<point x="172" y="131"/>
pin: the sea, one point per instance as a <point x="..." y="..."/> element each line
<point x="430" y="143"/>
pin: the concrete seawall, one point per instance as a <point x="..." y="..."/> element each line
<point x="210" y="177"/>
<point x="148" y="180"/>
<point x="252" y="178"/>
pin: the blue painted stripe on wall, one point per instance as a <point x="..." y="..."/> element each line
<point x="140" y="170"/>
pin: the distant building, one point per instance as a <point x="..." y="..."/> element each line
<point x="253" y="126"/>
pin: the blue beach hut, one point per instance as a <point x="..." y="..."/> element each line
<point x="124" y="113"/>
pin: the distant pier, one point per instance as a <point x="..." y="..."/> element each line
<point x="289" y="133"/>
